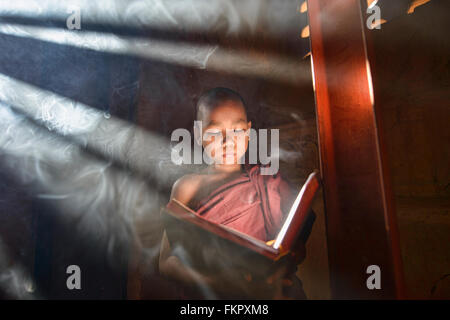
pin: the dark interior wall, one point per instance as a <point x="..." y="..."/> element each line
<point x="413" y="78"/>
<point x="411" y="69"/>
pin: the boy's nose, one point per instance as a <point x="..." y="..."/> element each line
<point x="228" y="141"/>
<point x="228" y="137"/>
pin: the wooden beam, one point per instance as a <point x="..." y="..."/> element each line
<point x="360" y="219"/>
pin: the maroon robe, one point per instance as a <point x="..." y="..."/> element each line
<point x="253" y="203"/>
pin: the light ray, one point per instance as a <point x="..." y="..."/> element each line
<point x="211" y="57"/>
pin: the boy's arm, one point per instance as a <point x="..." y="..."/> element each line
<point x="171" y="267"/>
<point x="228" y="282"/>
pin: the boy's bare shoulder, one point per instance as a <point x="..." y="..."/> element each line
<point x="187" y="180"/>
<point x="185" y="188"/>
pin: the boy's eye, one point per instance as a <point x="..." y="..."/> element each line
<point x="210" y="133"/>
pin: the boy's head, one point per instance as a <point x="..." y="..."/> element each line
<point x="224" y="125"/>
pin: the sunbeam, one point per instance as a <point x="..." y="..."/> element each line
<point x="211" y="57"/>
<point x="112" y="138"/>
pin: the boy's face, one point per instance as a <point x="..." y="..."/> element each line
<point x="225" y="132"/>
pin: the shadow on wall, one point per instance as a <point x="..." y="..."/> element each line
<point x="411" y="88"/>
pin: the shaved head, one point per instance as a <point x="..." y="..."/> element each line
<point x="216" y="97"/>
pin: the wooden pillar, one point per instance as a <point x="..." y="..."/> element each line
<point x="360" y="219"/>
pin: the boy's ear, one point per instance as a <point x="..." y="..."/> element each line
<point x="249" y="126"/>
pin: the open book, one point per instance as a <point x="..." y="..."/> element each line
<point x="188" y="229"/>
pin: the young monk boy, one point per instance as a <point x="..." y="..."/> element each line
<point x="227" y="192"/>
